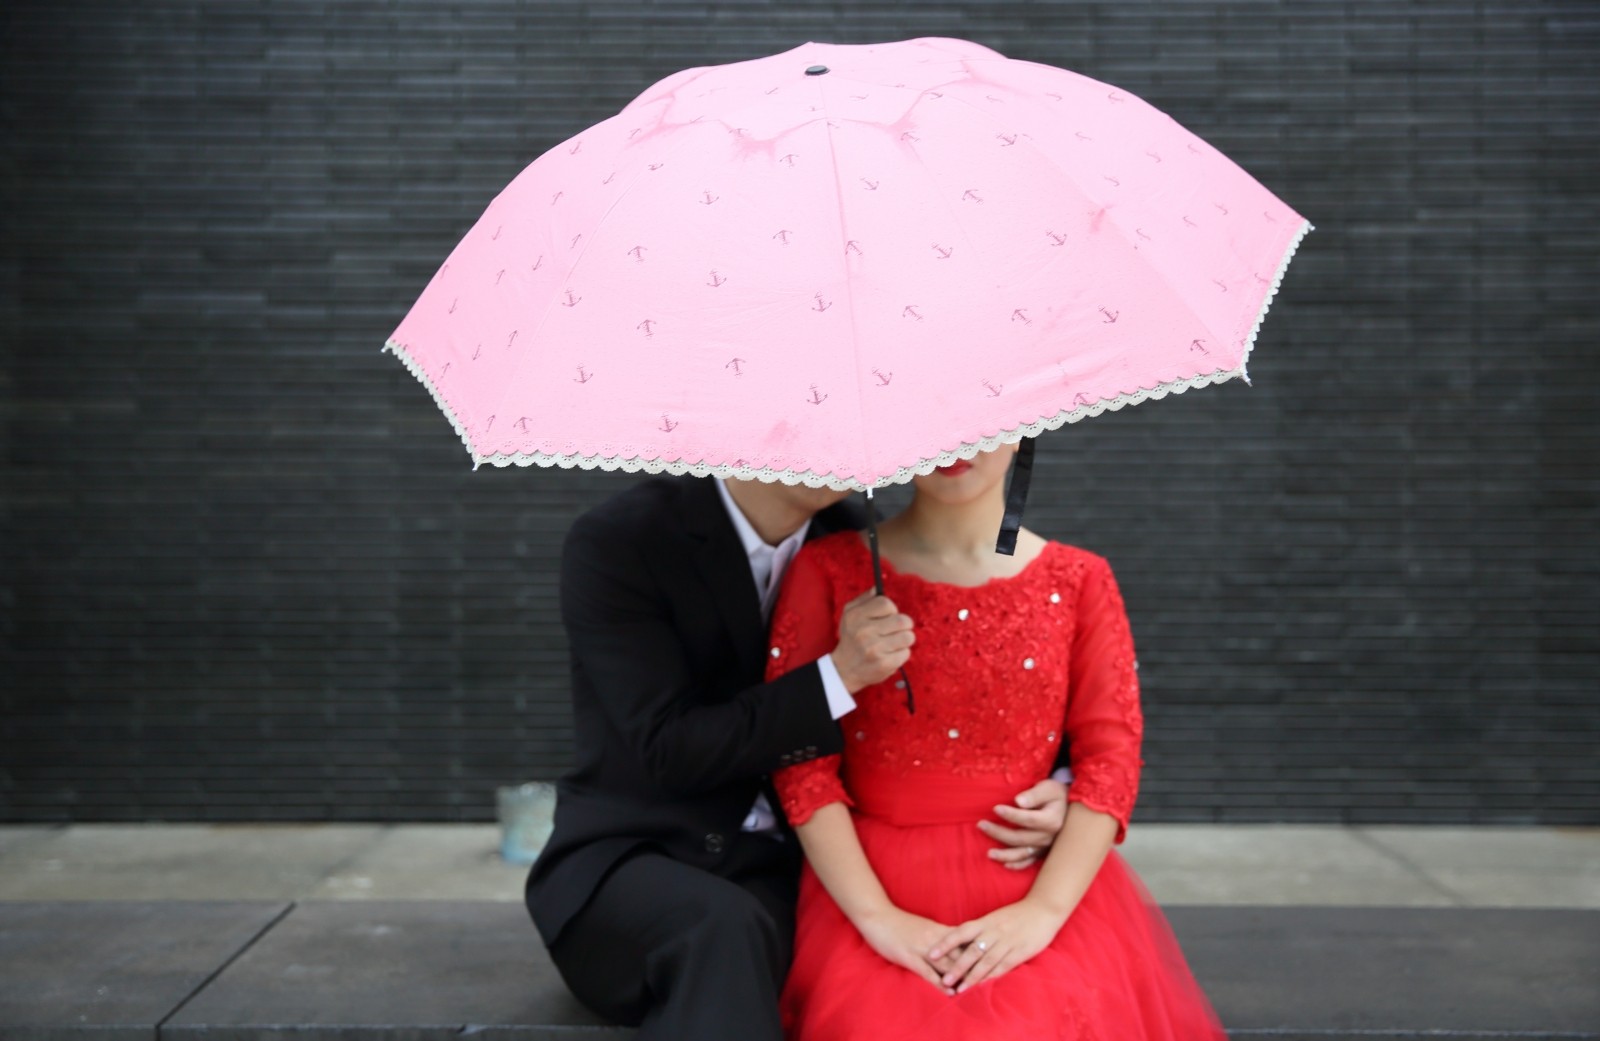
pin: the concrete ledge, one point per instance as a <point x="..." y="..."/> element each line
<point x="408" y="971"/>
<point x="1292" y="973"/>
<point x="114" y="971"/>
<point x="414" y="970"/>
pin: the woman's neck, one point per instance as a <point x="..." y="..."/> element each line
<point x="942" y="531"/>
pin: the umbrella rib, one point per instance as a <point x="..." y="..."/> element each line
<point x="850" y="295"/>
<point x="591" y="235"/>
<point x="1138" y="396"/>
<point x="1112" y="219"/>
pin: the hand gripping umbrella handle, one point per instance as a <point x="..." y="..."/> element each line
<point x="877" y="578"/>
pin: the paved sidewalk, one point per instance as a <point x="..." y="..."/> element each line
<point x="1204" y="864"/>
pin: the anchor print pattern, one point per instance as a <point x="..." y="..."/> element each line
<point x="1113" y="166"/>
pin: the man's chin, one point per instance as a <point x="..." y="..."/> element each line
<point x="813" y="499"/>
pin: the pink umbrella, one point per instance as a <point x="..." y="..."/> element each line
<point x="843" y="266"/>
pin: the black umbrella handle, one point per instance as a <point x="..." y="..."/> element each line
<point x="877" y="579"/>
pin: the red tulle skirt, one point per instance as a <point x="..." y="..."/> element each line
<point x="1113" y="973"/>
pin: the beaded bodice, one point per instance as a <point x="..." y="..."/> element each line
<point x="1002" y="674"/>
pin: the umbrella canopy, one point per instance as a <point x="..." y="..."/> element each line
<point x="845" y="265"/>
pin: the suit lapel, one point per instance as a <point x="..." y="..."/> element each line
<point x="720" y="559"/>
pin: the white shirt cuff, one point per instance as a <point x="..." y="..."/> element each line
<point x="840" y="703"/>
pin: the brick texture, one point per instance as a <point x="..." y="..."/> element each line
<point x="246" y="571"/>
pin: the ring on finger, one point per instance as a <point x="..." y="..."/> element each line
<point x="983" y="945"/>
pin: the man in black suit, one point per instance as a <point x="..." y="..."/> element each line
<point x="666" y="892"/>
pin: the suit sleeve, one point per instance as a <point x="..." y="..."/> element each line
<point x="805" y="626"/>
<point x="1104" y="723"/>
<point x="619" y="623"/>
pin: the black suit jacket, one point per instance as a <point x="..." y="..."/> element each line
<point x="675" y="729"/>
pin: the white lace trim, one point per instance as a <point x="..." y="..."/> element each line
<point x="812" y="479"/>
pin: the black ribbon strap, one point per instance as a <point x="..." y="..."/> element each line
<point x="1016" y="498"/>
<point x="877" y="578"/>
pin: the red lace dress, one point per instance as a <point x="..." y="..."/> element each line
<point x="1002" y="673"/>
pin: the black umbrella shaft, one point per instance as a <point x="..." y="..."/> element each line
<point x="877" y="579"/>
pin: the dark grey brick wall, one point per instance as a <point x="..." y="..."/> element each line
<point x="248" y="574"/>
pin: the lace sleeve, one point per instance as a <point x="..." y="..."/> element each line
<point x="1104" y="722"/>
<point x="805" y="626"/>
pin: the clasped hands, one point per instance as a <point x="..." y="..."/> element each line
<point x="954" y="958"/>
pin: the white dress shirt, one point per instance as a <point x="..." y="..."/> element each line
<point x="767" y="567"/>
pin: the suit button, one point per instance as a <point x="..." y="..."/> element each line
<point x="811" y="750"/>
<point x="714" y="843"/>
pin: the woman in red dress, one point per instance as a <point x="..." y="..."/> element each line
<point x="910" y="922"/>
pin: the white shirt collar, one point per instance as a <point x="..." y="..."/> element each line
<point x="753" y="543"/>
